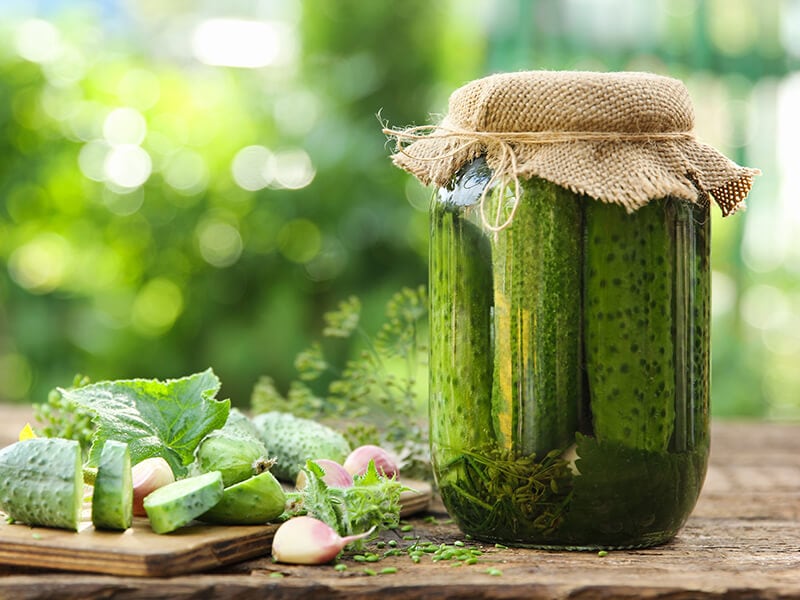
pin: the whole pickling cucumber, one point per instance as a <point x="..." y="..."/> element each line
<point x="253" y="501"/>
<point x="537" y="266"/>
<point x="701" y="346"/>
<point x="41" y="482"/>
<point x="293" y="440"/>
<point x="460" y="324"/>
<point x="628" y="321"/>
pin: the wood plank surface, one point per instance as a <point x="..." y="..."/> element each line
<point x="140" y="552"/>
<point x="742" y="541"/>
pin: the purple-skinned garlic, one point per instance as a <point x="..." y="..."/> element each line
<point x="309" y="541"/>
<point x="335" y="475"/>
<point x="358" y="461"/>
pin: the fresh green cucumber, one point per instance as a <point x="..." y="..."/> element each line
<point x="691" y="317"/>
<point x="537" y="265"/>
<point x="293" y="440"/>
<point x="460" y="282"/>
<point x="179" y="503"/>
<point x="253" y="501"/>
<point x="41" y="482"/>
<point x="235" y="455"/>
<point x="629" y="323"/>
<point x="701" y="332"/>
<point x="112" y="497"/>
<point x="240" y="424"/>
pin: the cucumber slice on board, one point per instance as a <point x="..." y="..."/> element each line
<point x="112" y="498"/>
<point x="254" y="501"/>
<point x="177" y="504"/>
<point x="41" y="482"/>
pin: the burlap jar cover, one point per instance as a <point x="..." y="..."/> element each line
<point x="623" y="138"/>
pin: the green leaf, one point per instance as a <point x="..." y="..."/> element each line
<point x="155" y="418"/>
<point x="372" y="501"/>
<point x="321" y="501"/>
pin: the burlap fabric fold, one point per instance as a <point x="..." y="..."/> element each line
<point x="623" y="138"/>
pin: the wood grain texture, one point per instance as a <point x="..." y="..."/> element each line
<point x="137" y="551"/>
<point x="742" y="542"/>
<point x="140" y="552"/>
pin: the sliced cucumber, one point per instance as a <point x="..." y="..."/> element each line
<point x="253" y="501"/>
<point x="41" y="482"/>
<point x="177" y="504"/>
<point x="112" y="499"/>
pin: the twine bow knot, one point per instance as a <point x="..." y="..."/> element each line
<point x="501" y="145"/>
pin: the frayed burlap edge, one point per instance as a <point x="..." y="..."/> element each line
<point x="630" y="174"/>
<point x="514" y="121"/>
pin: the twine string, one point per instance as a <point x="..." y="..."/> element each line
<point x="503" y="141"/>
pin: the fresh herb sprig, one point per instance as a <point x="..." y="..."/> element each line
<point x="372" y="501"/>
<point x="513" y="496"/>
<point x="63" y="418"/>
<point x="377" y="392"/>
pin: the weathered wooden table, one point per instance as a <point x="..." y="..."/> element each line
<point x="743" y="541"/>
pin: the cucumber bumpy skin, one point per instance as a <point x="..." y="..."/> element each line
<point x="41" y="482"/>
<point x="254" y="501"/>
<point x="629" y="322"/>
<point x="112" y="498"/>
<point x="293" y="440"/>
<point x="179" y="503"/>
<point x="239" y="423"/>
<point x="537" y="263"/>
<point x="460" y="377"/>
<point x="236" y="456"/>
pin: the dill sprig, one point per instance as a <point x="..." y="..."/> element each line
<point x="377" y="391"/>
<point x="60" y="417"/>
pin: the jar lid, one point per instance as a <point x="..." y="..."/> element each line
<point x="623" y="138"/>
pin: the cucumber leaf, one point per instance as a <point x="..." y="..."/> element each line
<point x="155" y="418"/>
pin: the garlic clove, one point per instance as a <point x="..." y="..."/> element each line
<point x="358" y="461"/>
<point x="309" y="541"/>
<point x="147" y="476"/>
<point x="335" y="475"/>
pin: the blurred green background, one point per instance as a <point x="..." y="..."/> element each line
<point x="186" y="184"/>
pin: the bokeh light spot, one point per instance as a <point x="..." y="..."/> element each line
<point x="220" y="243"/>
<point x="299" y="240"/>
<point x="41" y="265"/>
<point x="252" y="168"/>
<point x="15" y="376"/>
<point x="124" y="126"/>
<point x="765" y="307"/>
<point x="92" y="158"/>
<point x="328" y="262"/>
<point x="127" y="166"/>
<point x="38" y="41"/>
<point x="186" y="172"/>
<point x="123" y="202"/>
<point x="293" y="169"/>
<point x="157" y="306"/>
<point x="237" y="43"/>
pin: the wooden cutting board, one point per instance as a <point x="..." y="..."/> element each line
<point x="140" y="552"/>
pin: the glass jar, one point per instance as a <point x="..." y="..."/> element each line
<point x="569" y="363"/>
